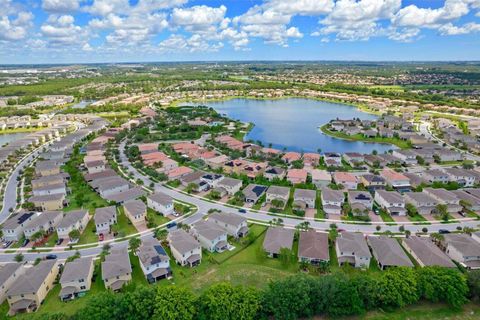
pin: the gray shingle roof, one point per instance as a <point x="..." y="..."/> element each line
<point x="7" y="270"/>
<point x="388" y="252"/>
<point x="151" y="252"/>
<point x="182" y="241"/>
<point x="117" y="263"/>
<point x="78" y="269"/>
<point x="32" y="279"/>
<point x="277" y="238"/>
<point x="43" y="218"/>
<point x="161" y="198"/>
<point x="353" y="242"/>
<point x="208" y="229"/>
<point x="103" y="215"/>
<point x="135" y="207"/>
<point x="72" y="217"/>
<point x="463" y="243"/>
<point x="305" y="193"/>
<point x="427" y="252"/>
<point x="313" y="245"/>
<point x="228" y="218"/>
<point x="278" y="191"/>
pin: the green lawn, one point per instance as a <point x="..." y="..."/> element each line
<point x="158" y="219"/>
<point x="417" y="218"/>
<point x="426" y="311"/>
<point x="125" y="227"/>
<point x="88" y="235"/>
<point x="137" y="274"/>
<point x="385" y="216"/>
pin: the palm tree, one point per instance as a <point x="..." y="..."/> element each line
<point x="18" y="257"/>
<point x="134" y="244"/>
<point x="161" y="234"/>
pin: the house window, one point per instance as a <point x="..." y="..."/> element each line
<point x="83" y="287"/>
<point x="81" y="280"/>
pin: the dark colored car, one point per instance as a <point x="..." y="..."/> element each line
<point x="59" y="242"/>
<point x="25" y="242"/>
<point x="443" y="231"/>
<point x="51" y="256"/>
<point x="242" y="210"/>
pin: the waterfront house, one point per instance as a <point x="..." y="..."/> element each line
<point x="275" y="173"/>
<point x="320" y="178"/>
<point x="296" y="176"/>
<point x="352" y="249"/>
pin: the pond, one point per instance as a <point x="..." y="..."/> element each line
<point x="82" y="104"/>
<point x="9" y="137"/>
<point x="294" y="123"/>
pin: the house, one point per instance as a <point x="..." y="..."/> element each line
<point x="296" y="176"/>
<point x="345" y="179"/>
<point x="354" y="159"/>
<point x="361" y="202"/>
<point x="49" y="180"/>
<point x="406" y="156"/>
<point x="464" y="178"/>
<point x="185" y="249"/>
<point x="216" y="162"/>
<point x="116" y="270"/>
<point x="311" y="159"/>
<point x="415" y="179"/>
<point x="396" y="180"/>
<point x="373" y="182"/>
<point x="50" y="189"/>
<point x="72" y="220"/>
<point x="48" y="202"/>
<point x="424" y="203"/>
<point x="46" y="168"/>
<point x="274" y="173"/>
<point x="320" y="178"/>
<point x="313" y="247"/>
<point x="445" y="197"/>
<point x="304" y="198"/>
<point x="154" y="260"/>
<point x="211" y="236"/>
<point x="44" y="222"/>
<point x="76" y="278"/>
<point x="29" y="291"/>
<point x="332" y="159"/>
<point x="290" y="157"/>
<point x="104" y="218"/>
<point x="391" y="201"/>
<point x="352" y="249"/>
<point x="278" y="193"/>
<point x="95" y="166"/>
<point x="9" y="274"/>
<point x="426" y="253"/>
<point x="474" y="202"/>
<point x="111" y="186"/>
<point x="445" y="155"/>
<point x="161" y="203"/>
<point x="14" y="226"/>
<point x="235" y="225"/>
<point x="276" y="239"/>
<point x="179" y="172"/>
<point x="253" y="192"/>
<point x="135" y="210"/>
<point x="332" y="201"/>
<point x="388" y="252"/>
<point x="436" y="175"/>
<point x="463" y="249"/>
<point x="212" y="179"/>
<point x="230" y="185"/>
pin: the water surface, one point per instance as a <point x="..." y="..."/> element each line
<point x="294" y="123"/>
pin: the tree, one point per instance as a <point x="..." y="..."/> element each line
<point x="174" y="303"/>
<point x="139" y="302"/>
<point x="398" y="287"/>
<point x="74" y="234"/>
<point x="18" y="257"/>
<point x="102" y="306"/>
<point x="37" y="235"/>
<point x="338" y="296"/>
<point x="438" y="284"/>
<point x="473" y="281"/>
<point x="277" y="203"/>
<point x="134" y="244"/>
<point x="191" y="187"/>
<point x="290" y="298"/>
<point x="224" y="301"/>
<point x="286" y="256"/>
<point x="161" y="234"/>
<point x="442" y="211"/>
<point x="411" y="209"/>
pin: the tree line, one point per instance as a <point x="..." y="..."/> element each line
<point x="298" y="296"/>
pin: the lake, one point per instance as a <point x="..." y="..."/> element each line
<point x="9" y="137"/>
<point x="293" y="123"/>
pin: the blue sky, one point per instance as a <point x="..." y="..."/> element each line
<point x="69" y="31"/>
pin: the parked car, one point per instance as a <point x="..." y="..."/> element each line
<point x="101" y="237"/>
<point x="51" y="256"/>
<point x="59" y="242"/>
<point x="443" y="231"/>
<point x="242" y="210"/>
<point x="7" y="244"/>
<point x="25" y="242"/>
<point x="172" y="225"/>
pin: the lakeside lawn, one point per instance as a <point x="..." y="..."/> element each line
<point x="402" y="144"/>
